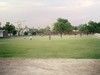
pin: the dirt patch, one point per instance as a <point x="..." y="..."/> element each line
<point x="49" y="67"/>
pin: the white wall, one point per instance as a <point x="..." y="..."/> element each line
<point x="1" y="34"/>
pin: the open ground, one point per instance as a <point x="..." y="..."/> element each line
<point x="49" y="67"/>
<point x="70" y="55"/>
<point x="41" y="47"/>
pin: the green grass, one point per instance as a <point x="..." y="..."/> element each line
<point x="40" y="47"/>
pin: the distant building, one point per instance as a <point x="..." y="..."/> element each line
<point x="3" y="34"/>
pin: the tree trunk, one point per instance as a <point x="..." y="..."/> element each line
<point x="49" y="36"/>
<point x="80" y="34"/>
<point x="61" y="35"/>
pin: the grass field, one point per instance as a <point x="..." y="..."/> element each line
<point x="40" y="47"/>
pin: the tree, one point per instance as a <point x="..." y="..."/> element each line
<point x="62" y="26"/>
<point x="41" y="31"/>
<point x="90" y="28"/>
<point x="25" y="33"/>
<point x="10" y="28"/>
<point x="14" y="32"/>
<point x="48" y="32"/>
<point x="98" y="28"/>
<point x="33" y="31"/>
<point x="84" y="28"/>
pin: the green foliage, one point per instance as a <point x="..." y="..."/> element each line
<point x="10" y="28"/>
<point x="14" y="32"/>
<point x="91" y="27"/>
<point x="84" y="28"/>
<point x="98" y="28"/>
<point x="25" y="33"/>
<point x="62" y="26"/>
<point x="75" y="27"/>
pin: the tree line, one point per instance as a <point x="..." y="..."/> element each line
<point x="61" y="26"/>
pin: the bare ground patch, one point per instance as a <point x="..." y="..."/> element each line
<point x="49" y="67"/>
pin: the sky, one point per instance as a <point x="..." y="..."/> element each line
<point x="42" y="13"/>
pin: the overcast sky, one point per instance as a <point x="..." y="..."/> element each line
<point x="40" y="13"/>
